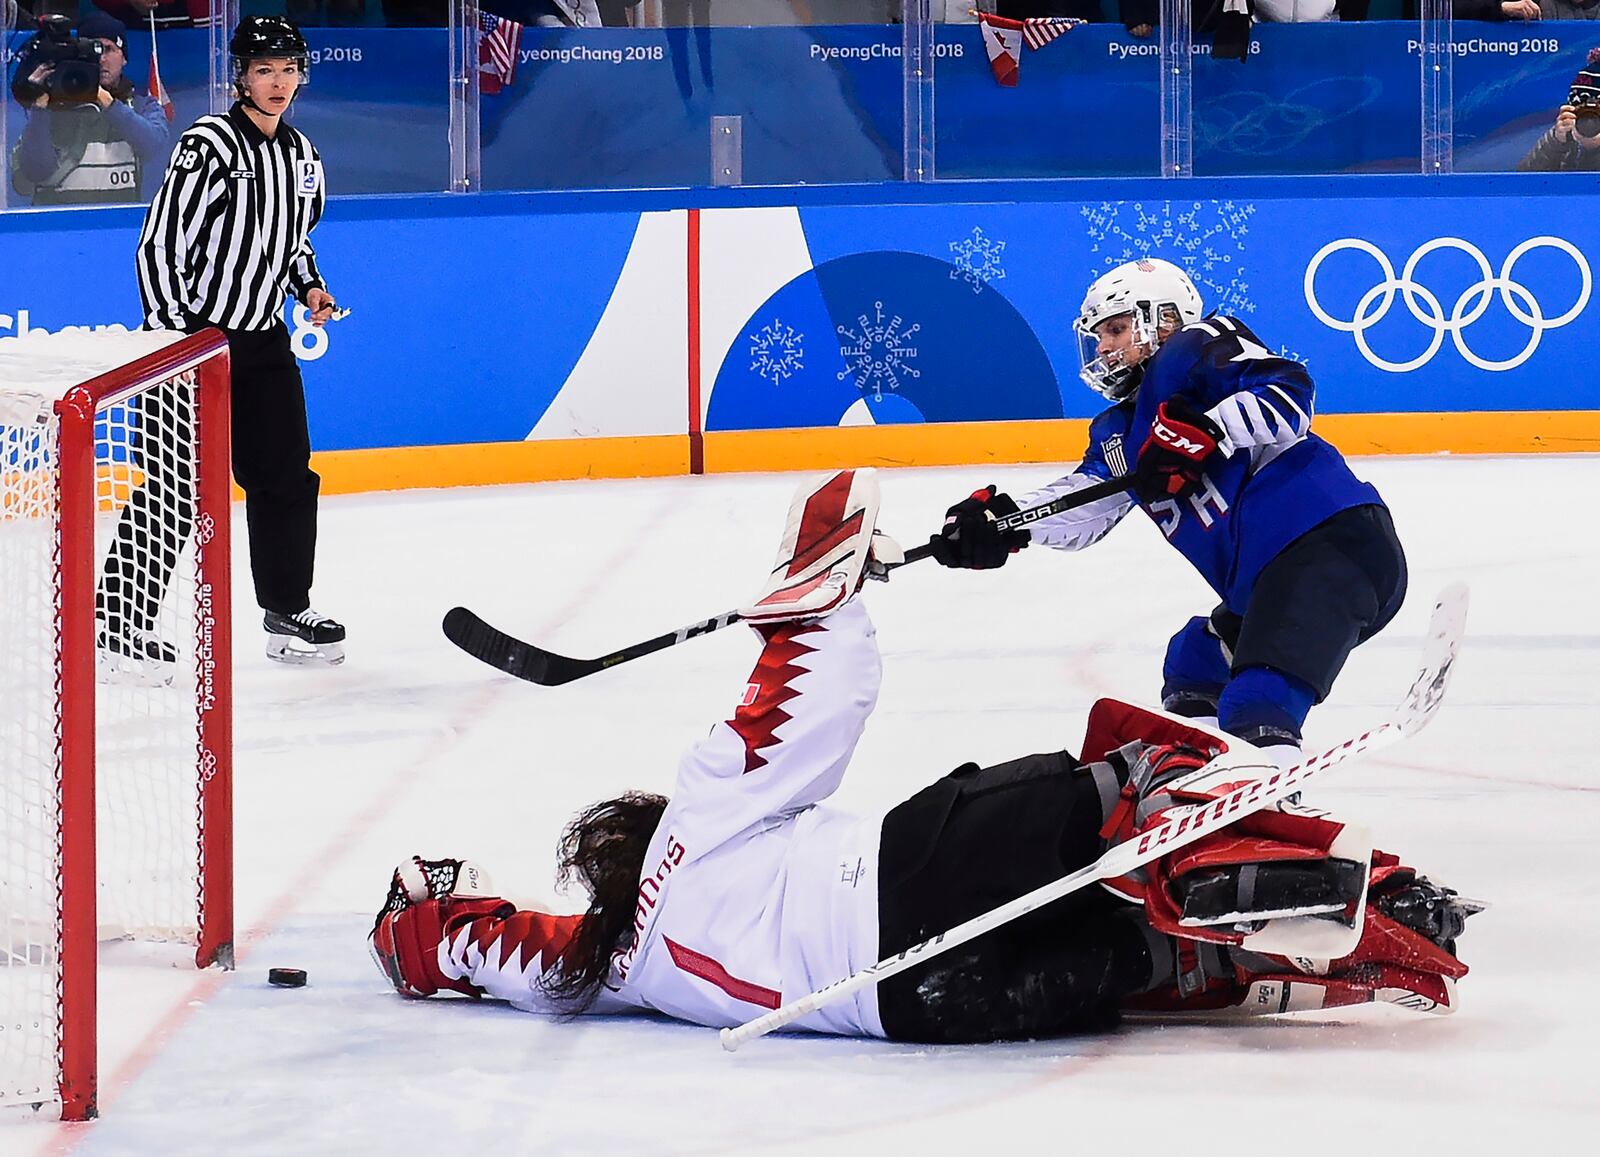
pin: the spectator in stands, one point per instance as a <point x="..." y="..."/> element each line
<point x="330" y="13"/>
<point x="416" y="13"/>
<point x="1028" y="9"/>
<point x="166" y="13"/>
<point x="534" y="13"/>
<point x="1231" y="22"/>
<point x="1572" y="144"/>
<point x="576" y="13"/>
<point x="1500" y="10"/>
<point x="1141" y="16"/>
<point x="1569" y="9"/>
<point x="91" y="149"/>
<point x="1309" y="11"/>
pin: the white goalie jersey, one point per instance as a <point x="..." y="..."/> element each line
<point x="753" y="890"/>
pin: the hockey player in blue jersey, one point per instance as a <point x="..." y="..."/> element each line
<point x="1215" y="432"/>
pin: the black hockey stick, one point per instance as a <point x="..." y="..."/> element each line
<point x="511" y="655"/>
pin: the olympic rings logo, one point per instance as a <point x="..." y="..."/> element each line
<point x="1426" y="307"/>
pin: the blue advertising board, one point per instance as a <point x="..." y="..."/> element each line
<point x="1413" y="304"/>
<point x="471" y="315"/>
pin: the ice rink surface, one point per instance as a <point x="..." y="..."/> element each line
<point x="412" y="746"/>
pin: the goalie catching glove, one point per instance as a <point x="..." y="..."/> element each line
<point x="829" y="547"/>
<point x="442" y="929"/>
<point x="427" y="900"/>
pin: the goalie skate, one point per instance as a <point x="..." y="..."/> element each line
<point x="1429" y="909"/>
<point x="129" y="656"/>
<point x="305" y="638"/>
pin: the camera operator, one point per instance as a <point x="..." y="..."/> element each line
<point x="1572" y="144"/>
<point x="89" y="134"/>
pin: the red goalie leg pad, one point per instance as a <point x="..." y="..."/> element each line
<point x="1263" y="837"/>
<point x="1383" y="942"/>
<point x="406" y="944"/>
<point x="1113" y="723"/>
<point x="1280" y="987"/>
<point x="1291" y="991"/>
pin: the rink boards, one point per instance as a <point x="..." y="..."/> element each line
<point x="506" y="337"/>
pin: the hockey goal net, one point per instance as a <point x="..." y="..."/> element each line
<point x="115" y="661"/>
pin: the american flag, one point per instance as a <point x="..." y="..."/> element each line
<point x="497" y="51"/>
<point x="1037" y="31"/>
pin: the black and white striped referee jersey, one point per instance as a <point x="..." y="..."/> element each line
<point x="229" y="230"/>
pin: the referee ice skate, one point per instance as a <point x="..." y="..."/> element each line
<point x="226" y="238"/>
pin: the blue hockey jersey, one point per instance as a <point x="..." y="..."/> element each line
<point x="1278" y="479"/>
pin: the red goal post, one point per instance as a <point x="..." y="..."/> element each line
<point x="115" y="681"/>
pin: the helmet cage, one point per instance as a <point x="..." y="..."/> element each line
<point x="1143" y="289"/>
<point x="1109" y="378"/>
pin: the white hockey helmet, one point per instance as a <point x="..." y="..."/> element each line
<point x="1141" y="288"/>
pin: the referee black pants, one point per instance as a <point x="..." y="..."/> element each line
<point x="271" y="463"/>
<point x="970" y="842"/>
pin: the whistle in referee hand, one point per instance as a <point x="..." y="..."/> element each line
<point x="339" y="313"/>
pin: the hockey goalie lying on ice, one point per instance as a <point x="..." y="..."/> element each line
<point x="745" y="888"/>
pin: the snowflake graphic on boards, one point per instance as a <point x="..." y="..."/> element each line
<point x="977" y="259"/>
<point x="880" y="354"/>
<point x="1204" y="239"/>
<point x="777" y="352"/>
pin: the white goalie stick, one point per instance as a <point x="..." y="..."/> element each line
<point x="1183" y="827"/>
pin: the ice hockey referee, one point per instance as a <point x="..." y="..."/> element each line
<point x="226" y="238"/>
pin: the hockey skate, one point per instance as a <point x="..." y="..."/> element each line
<point x="304" y="639"/>
<point x="1431" y="910"/>
<point x="125" y="654"/>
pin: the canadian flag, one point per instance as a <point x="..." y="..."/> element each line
<point x="1002" y="39"/>
<point x="155" y="87"/>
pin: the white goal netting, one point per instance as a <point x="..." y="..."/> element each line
<point x="127" y="581"/>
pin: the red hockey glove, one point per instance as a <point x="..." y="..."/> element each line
<point x="405" y="944"/>
<point x="1173" y="460"/>
<point x="970" y="539"/>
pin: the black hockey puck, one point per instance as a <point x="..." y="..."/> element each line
<point x="287" y="977"/>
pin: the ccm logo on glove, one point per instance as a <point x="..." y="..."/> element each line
<point x="1196" y="448"/>
<point x="1173" y="458"/>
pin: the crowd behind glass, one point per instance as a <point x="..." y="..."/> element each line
<point x="86" y="128"/>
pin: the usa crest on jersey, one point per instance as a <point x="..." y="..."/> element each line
<point x="1116" y="458"/>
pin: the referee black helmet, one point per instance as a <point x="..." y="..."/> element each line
<point x="267" y="38"/>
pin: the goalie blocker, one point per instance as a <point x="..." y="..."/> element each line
<point x="736" y="892"/>
<point x="829" y="546"/>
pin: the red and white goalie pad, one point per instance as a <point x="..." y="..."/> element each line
<point x="1284" y="910"/>
<point x="825" y="550"/>
<point x="1390" y="963"/>
<point x="1286" y="879"/>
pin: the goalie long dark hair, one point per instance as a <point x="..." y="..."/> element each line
<point x="603" y="849"/>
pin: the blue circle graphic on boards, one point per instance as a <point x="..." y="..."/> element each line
<point x="883" y="338"/>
